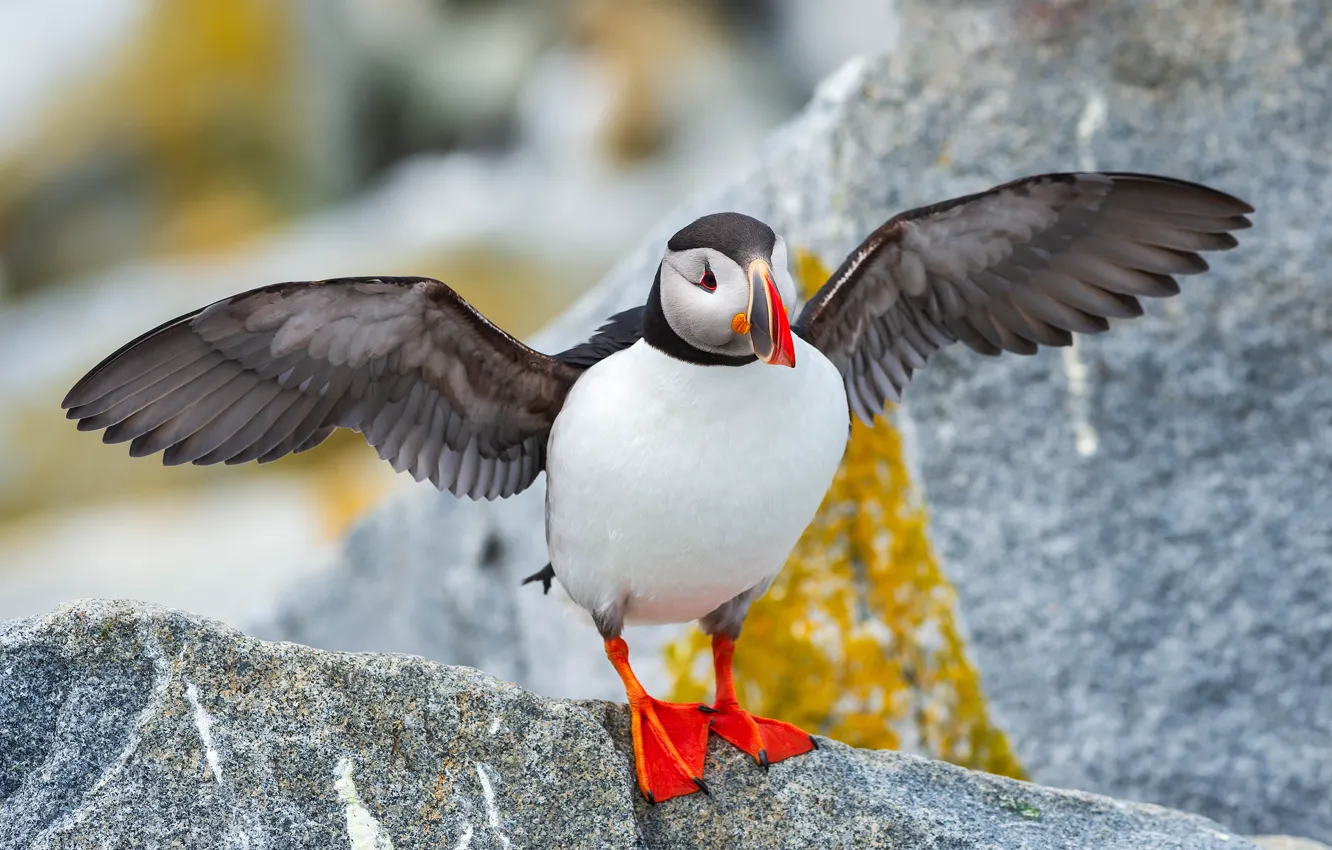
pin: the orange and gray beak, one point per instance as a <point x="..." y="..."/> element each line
<point x="769" y="330"/>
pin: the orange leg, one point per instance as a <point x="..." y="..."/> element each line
<point x="768" y="741"/>
<point x="670" y="739"/>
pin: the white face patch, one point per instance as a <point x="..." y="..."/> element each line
<point x="699" y="315"/>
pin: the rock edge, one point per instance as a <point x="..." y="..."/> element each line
<point x="124" y="724"/>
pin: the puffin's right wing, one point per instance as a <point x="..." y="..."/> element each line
<point x="435" y="387"/>
<point x="1025" y="264"/>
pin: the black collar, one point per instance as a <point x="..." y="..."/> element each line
<point x="658" y="333"/>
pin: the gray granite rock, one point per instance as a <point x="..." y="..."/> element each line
<point x="1141" y="536"/>
<point x="125" y="725"/>
<point x="1141" y="530"/>
<point x="1287" y="842"/>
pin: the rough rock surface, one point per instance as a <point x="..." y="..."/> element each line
<point x="1140" y="532"/>
<point x="1286" y="842"/>
<point x="1141" y="536"/>
<point x="124" y="725"/>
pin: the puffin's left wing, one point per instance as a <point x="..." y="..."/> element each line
<point x="1025" y="264"/>
<point x="435" y="387"/>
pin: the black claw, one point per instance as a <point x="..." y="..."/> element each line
<point x="813" y="743"/>
<point x="763" y="759"/>
<point x="544" y="575"/>
<point x="702" y="786"/>
<point x="651" y="799"/>
<point x="706" y="709"/>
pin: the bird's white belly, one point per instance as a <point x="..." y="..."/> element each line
<point x="675" y="487"/>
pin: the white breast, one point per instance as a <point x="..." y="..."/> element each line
<point x="674" y="487"/>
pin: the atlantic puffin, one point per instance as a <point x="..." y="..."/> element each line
<point x="689" y="442"/>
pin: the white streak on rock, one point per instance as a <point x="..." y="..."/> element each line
<point x="362" y="829"/>
<point x="839" y="86"/>
<point x="1089" y="123"/>
<point x="237" y="838"/>
<point x="203" y="721"/>
<point x="492" y="813"/>
<point x="466" y="840"/>
<point x="161" y="678"/>
<point x="1085" y="438"/>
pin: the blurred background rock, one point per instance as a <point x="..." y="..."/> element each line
<point x="157" y="154"/>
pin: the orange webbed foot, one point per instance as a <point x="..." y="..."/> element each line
<point x="768" y="741"/>
<point x="670" y="739"/>
<point x="670" y="743"/>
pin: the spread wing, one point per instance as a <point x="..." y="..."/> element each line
<point x="435" y="387"/>
<point x="1025" y="264"/>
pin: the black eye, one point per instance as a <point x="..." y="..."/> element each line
<point x="709" y="281"/>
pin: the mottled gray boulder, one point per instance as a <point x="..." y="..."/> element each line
<point x="1141" y="535"/>
<point x="125" y="725"/>
<point x="1141" y="530"/>
<point x="1286" y="842"/>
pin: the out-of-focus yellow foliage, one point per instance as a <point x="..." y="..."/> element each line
<point x="857" y="639"/>
<point x="211" y="90"/>
<point x="517" y="293"/>
<point x="349" y="482"/>
<point x="642" y="40"/>
<point x="195" y="135"/>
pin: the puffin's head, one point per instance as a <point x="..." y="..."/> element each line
<point x="724" y="287"/>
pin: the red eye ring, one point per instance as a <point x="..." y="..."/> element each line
<point x="709" y="281"/>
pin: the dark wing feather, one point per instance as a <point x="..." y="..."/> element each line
<point x="1025" y="264"/>
<point x="616" y="334"/>
<point x="435" y="387"/>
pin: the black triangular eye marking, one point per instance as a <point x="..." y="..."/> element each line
<point x="545" y="575"/>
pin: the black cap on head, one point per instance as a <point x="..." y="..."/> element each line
<point x="738" y="236"/>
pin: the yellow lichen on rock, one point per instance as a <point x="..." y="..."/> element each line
<point x="858" y="639"/>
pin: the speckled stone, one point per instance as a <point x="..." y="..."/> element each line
<point x="1286" y="842"/>
<point x="1152" y="618"/>
<point x="125" y="725"/>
